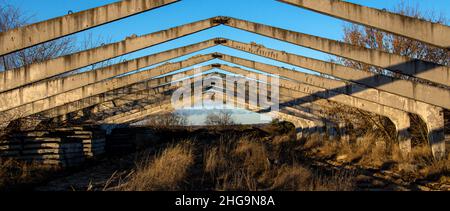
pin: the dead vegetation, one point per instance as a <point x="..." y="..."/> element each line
<point x="235" y="163"/>
<point x="165" y="172"/>
<point x="166" y="121"/>
<point x="16" y="174"/>
<point x="371" y="151"/>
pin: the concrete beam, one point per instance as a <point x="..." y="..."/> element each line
<point x="94" y="114"/>
<point x="118" y="119"/>
<point x="37" y="33"/>
<point x="96" y="89"/>
<point x="152" y="87"/>
<point x="138" y="114"/>
<point x="406" y="88"/>
<point x="416" y="68"/>
<point x="296" y="90"/>
<point x="362" y="92"/>
<point x="299" y="90"/>
<point x="141" y="100"/>
<point x="165" y="106"/>
<point x="432" y="115"/>
<point x="312" y="123"/>
<point x="414" y="28"/>
<point x="40" y="90"/>
<point x="35" y="72"/>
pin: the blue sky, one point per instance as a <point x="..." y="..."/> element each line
<point x="269" y="12"/>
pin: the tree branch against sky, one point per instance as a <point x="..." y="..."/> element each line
<point x="13" y="17"/>
<point x="376" y="39"/>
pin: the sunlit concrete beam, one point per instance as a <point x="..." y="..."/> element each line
<point x="35" y="72"/>
<point x="416" y="68"/>
<point x="414" y="28"/>
<point x="37" y="33"/>
<point x="421" y="92"/>
<point x="95" y="89"/>
<point x="44" y="89"/>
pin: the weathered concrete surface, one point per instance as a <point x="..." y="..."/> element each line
<point x="401" y="64"/>
<point x="141" y="113"/>
<point x="425" y="31"/>
<point x="36" y="72"/>
<point x="414" y="90"/>
<point x="97" y="88"/>
<point x="37" y="33"/>
<point x="370" y="94"/>
<point x="40" y="90"/>
<point x="138" y="114"/>
<point x="154" y="86"/>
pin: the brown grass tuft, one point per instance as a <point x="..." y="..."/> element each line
<point x="166" y="172"/>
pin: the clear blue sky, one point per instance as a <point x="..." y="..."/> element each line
<point x="269" y="12"/>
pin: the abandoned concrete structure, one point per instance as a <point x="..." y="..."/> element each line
<point x="99" y="97"/>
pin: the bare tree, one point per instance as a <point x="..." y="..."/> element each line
<point x="89" y="42"/>
<point x="224" y="118"/>
<point x="12" y="17"/>
<point x="376" y="39"/>
<point x="165" y="121"/>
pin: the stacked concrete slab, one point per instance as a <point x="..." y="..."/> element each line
<point x="125" y="140"/>
<point x="65" y="147"/>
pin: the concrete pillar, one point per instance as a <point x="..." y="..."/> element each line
<point x="302" y="133"/>
<point x="434" y="119"/>
<point x="332" y="130"/>
<point x="343" y="133"/>
<point x="402" y="124"/>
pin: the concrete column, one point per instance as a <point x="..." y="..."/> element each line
<point x="434" y="119"/>
<point x="295" y="90"/>
<point x="343" y="133"/>
<point x="402" y="124"/>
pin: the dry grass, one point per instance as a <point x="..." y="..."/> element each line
<point x="166" y="172"/>
<point x="295" y="177"/>
<point x="13" y="172"/>
<point x="374" y="152"/>
<point x="253" y="165"/>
